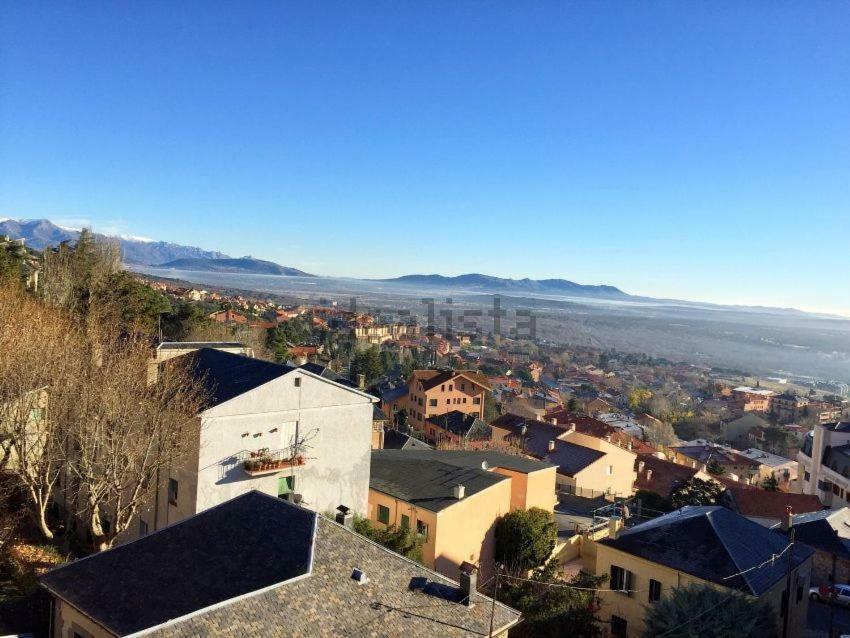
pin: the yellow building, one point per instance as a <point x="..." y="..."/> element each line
<point x="587" y="465"/>
<point x="700" y="545"/>
<point x="452" y="499"/>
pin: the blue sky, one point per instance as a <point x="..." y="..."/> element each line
<point x="698" y="150"/>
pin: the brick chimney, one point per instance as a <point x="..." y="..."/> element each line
<point x="468" y="583"/>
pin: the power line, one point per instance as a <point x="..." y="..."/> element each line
<point x="770" y="560"/>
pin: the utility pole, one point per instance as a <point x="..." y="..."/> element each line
<point x="493" y="605"/>
<point x="791" y="534"/>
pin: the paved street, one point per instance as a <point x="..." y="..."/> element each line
<point x="818" y="621"/>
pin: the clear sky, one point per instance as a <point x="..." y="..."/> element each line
<point x="698" y="150"/>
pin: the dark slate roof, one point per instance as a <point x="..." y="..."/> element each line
<point x="378" y="414"/>
<point x="712" y="542"/>
<point x="243" y="545"/>
<point x="425" y="482"/>
<point x="571" y="458"/>
<point x="227" y="375"/>
<point x="474" y="459"/>
<point x="395" y="440"/>
<point x="401" y="598"/>
<point x="838" y="426"/>
<point x="467" y="426"/>
<point x="326" y="373"/>
<point x="389" y="394"/>
<point x="825" y="530"/>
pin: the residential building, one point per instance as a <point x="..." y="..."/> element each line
<point x="452" y="499"/>
<point x="772" y="465"/>
<point x="229" y="317"/>
<point x="703" y="454"/>
<point x="787" y="407"/>
<point x="587" y="465"/>
<point x="828" y="533"/>
<point x="259" y="566"/>
<point x="281" y="430"/>
<point x="435" y="392"/>
<point x="457" y="428"/>
<point x="824" y="463"/>
<point x="737" y="430"/>
<point x="708" y="545"/>
<point x="747" y="399"/>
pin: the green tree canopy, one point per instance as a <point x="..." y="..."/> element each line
<point x="525" y="538"/>
<point x="549" y="608"/>
<point x="701" y="611"/>
<point x="401" y="540"/>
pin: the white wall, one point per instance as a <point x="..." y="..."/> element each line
<point x="336" y="421"/>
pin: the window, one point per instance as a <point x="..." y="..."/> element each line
<point x="654" y="590"/>
<point x="464" y="399"/>
<point x="383" y="515"/>
<point x="143" y="528"/>
<point x="799" y="593"/>
<point x="443" y="388"/>
<point x="450" y="387"/>
<point x="405" y="521"/>
<point x="432" y="403"/>
<point x="609" y="470"/>
<point x="619" y="627"/>
<point x="621" y="579"/>
<point x="835" y="488"/>
<point x="422" y="529"/>
<point x="448" y="401"/>
<point x="807" y="477"/>
<point x="297" y="382"/>
<point x="172" y="491"/>
<point x="476" y="401"/>
<point x="285" y="486"/>
<point x="463" y="387"/>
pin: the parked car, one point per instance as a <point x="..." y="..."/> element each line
<point x="841" y="594"/>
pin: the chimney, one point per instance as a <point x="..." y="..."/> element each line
<point x="553" y="421"/>
<point x="523" y="429"/>
<point x="641" y="464"/>
<point x="629" y="446"/>
<point x="552" y="445"/>
<point x="468" y="583"/>
<point x="572" y="427"/>
<point x="458" y="491"/>
<point x="788" y="519"/>
<point x="614" y="525"/>
<point x="344" y="516"/>
<point x="649" y="475"/>
<point x="361" y="381"/>
<point x="359" y="576"/>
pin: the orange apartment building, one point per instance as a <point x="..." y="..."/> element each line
<point x="432" y="393"/>
<point x="746" y="399"/>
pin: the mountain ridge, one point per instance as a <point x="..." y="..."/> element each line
<point x="43" y="233"/>
<point x="245" y="265"/>
<point x="478" y="281"/>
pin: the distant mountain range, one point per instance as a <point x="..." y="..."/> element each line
<point x="478" y="282"/>
<point x="42" y="233"/>
<point x="245" y="265"/>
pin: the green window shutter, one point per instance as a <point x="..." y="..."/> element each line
<point x="285" y="485"/>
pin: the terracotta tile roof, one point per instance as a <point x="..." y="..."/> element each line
<point x="432" y="378"/>
<point x="748" y="501"/>
<point x="659" y="475"/>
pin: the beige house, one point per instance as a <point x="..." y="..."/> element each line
<point x="452" y="499"/>
<point x="700" y="545"/>
<point x="587" y="465"/>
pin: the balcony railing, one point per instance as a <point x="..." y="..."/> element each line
<point x="269" y="462"/>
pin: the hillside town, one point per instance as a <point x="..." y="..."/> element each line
<point x="180" y="462"/>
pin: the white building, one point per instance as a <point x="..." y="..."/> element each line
<point x="824" y="463"/>
<point x="269" y="427"/>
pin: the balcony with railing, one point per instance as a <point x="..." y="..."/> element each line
<point x="266" y="461"/>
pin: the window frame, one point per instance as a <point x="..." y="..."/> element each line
<point x="383" y="512"/>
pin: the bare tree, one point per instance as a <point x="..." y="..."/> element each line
<point x="124" y="431"/>
<point x="39" y="351"/>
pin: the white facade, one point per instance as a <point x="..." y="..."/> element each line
<point x="333" y="420"/>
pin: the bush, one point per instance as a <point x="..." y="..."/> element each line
<point x="525" y="538"/>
